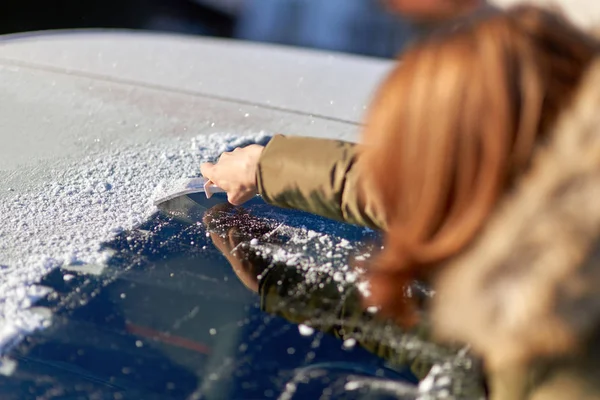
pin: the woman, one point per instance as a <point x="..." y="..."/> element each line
<point x="479" y="150"/>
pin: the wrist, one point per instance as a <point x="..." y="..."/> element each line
<point x="254" y="153"/>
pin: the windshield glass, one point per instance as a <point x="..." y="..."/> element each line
<point x="205" y="300"/>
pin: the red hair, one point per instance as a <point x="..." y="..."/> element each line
<point x="452" y="127"/>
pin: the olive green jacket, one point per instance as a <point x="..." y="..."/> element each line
<point x="319" y="176"/>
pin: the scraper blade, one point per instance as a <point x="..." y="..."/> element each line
<point x="185" y="186"/>
<point x="188" y="199"/>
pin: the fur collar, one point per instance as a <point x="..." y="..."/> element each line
<point x="530" y="284"/>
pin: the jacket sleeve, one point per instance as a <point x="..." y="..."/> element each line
<point x="319" y="176"/>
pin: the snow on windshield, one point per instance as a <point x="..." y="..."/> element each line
<point x="65" y="222"/>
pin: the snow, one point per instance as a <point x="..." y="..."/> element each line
<point x="7" y="367"/>
<point x="63" y="222"/>
<point x="305" y="330"/>
<point x="322" y="257"/>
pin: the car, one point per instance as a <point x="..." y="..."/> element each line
<point x="105" y="296"/>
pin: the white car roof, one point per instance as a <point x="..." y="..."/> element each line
<point x="54" y="83"/>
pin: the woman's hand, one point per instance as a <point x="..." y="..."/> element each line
<point x="235" y="173"/>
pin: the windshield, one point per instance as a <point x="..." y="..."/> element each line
<point x="204" y="300"/>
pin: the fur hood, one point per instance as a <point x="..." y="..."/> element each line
<point x="530" y="284"/>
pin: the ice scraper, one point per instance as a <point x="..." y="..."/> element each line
<point x="185" y="186"/>
<point x="188" y="198"/>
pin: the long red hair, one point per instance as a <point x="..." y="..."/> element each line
<point x="453" y="126"/>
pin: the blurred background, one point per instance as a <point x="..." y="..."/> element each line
<point x="352" y="26"/>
